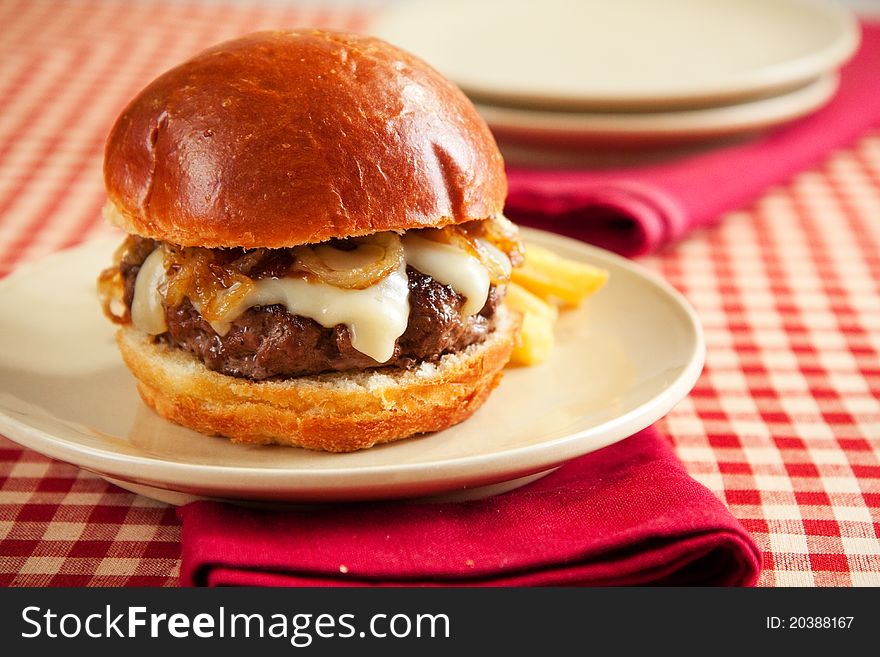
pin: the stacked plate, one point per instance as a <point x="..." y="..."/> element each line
<point x="578" y="76"/>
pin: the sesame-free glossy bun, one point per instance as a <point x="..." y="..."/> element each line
<point x="290" y="137"/>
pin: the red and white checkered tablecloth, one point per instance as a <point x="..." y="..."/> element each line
<point x="784" y="424"/>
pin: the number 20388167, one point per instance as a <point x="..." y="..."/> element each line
<point x="809" y="622"/>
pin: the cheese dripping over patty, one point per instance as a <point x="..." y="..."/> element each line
<point x="375" y="316"/>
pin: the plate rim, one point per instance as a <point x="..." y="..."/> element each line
<point x="540" y="456"/>
<point x="778" y="77"/>
<point x="724" y="119"/>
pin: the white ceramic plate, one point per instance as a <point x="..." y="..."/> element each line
<point x="621" y="362"/>
<point x="625" y="54"/>
<point x="579" y="129"/>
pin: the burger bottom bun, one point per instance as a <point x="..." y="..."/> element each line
<point x="335" y="412"/>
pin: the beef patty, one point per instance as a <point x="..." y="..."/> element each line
<point x="268" y="341"/>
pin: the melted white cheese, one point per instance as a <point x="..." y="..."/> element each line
<point x="451" y="266"/>
<point x="147" y="311"/>
<point x="375" y="316"/>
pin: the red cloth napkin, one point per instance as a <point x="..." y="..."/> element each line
<point x="637" y="210"/>
<point x="628" y="514"/>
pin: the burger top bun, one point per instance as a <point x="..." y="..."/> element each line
<point x="290" y="137"/>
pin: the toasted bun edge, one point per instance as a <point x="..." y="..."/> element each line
<point x="335" y="412"/>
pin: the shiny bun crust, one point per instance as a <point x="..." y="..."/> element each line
<point x="290" y="137"/>
<point x="336" y="412"/>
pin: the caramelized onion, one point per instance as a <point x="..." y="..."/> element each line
<point x="373" y="258"/>
<point x="503" y="233"/>
<point x="494" y="242"/>
<point x="496" y="261"/>
<point x="212" y="288"/>
<point x="217" y="281"/>
<point x="223" y="300"/>
<point x="110" y="292"/>
<point x="134" y="250"/>
<point x="249" y="261"/>
<point x="111" y="288"/>
<point x="181" y="265"/>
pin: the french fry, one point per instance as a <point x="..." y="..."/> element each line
<point x="534" y="340"/>
<point x="550" y="276"/>
<point x="519" y="298"/>
<point x="544" y="280"/>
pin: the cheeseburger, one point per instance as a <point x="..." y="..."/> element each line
<point x="316" y="251"/>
